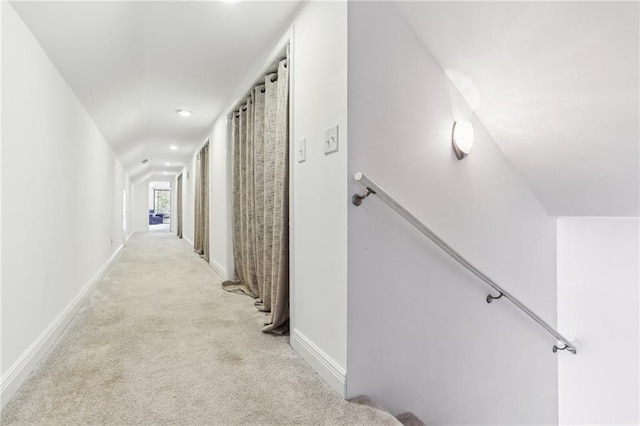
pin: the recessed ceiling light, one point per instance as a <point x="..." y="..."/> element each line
<point x="167" y="164"/>
<point x="165" y="173"/>
<point x="184" y="112"/>
<point x="173" y="147"/>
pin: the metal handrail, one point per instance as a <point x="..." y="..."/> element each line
<point x="373" y="188"/>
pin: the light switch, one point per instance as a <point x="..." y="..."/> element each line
<point x="331" y="139"/>
<point x="301" y="150"/>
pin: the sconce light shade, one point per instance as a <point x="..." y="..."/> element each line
<point x="462" y="138"/>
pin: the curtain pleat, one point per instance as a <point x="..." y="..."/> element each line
<point x="201" y="220"/>
<point x="269" y="167"/>
<point x="245" y="212"/>
<point x="250" y="241"/>
<point x="197" y="221"/>
<point x="260" y="182"/>
<point x="179" y="207"/>
<point x="204" y="158"/>
<point x="280" y="218"/>
<point x="259" y="108"/>
<point x="244" y="225"/>
<point x="236" y="182"/>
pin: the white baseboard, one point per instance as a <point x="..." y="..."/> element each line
<point x="218" y="269"/>
<point x="16" y="375"/>
<point x="326" y="367"/>
<point x="188" y="240"/>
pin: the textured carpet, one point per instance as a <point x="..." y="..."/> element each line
<point x="159" y="342"/>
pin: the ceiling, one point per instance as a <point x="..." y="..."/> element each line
<point x="133" y="64"/>
<point x="556" y="86"/>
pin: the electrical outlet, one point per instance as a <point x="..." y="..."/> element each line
<point x="331" y="139"/>
<point x="301" y="150"/>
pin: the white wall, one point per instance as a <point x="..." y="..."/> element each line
<point x="2" y="35"/>
<point x="61" y="202"/>
<point x="220" y="233"/>
<point x="141" y="206"/>
<point x="319" y="191"/>
<point x="421" y="337"/>
<point x="598" y="279"/>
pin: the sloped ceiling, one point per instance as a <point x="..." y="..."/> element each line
<point x="133" y="64"/>
<point x="556" y="85"/>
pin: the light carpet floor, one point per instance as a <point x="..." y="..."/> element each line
<point x="159" y="342"/>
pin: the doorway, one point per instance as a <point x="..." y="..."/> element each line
<point x="160" y="207"/>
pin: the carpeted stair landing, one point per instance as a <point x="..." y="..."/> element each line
<point x="407" y="419"/>
<point x="159" y="342"/>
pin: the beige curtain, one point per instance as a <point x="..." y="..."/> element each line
<point x="236" y="185"/>
<point x="280" y="223"/>
<point x="201" y="208"/>
<point x="262" y="303"/>
<point x="260" y="181"/>
<point x="179" y="207"/>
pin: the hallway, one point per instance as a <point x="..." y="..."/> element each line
<point x="510" y="130"/>
<point x="159" y="342"/>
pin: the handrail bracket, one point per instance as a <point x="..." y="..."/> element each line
<point x="491" y="298"/>
<point x="357" y="198"/>
<point x="556" y="348"/>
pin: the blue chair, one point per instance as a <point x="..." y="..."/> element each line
<point x="155" y="219"/>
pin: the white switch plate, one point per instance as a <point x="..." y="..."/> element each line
<point x="301" y="150"/>
<point x="331" y="139"/>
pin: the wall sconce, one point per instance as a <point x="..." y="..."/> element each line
<point x="462" y="138"/>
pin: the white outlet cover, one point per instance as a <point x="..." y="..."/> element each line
<point x="301" y="150"/>
<point x="331" y="139"/>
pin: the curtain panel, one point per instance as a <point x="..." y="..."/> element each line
<point x="179" y="206"/>
<point x="201" y="220"/>
<point x="260" y="183"/>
